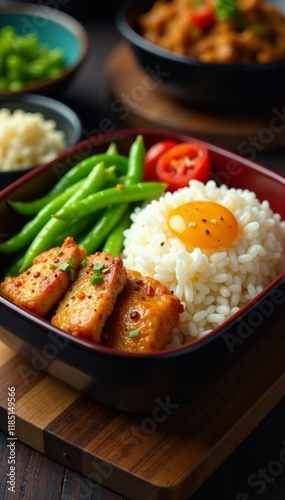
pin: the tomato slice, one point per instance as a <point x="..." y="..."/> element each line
<point x="151" y="157"/>
<point x="183" y="162"/>
<point x="203" y="16"/>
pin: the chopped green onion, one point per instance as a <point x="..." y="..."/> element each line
<point x="51" y="266"/>
<point x="96" y="279"/>
<point x="84" y="263"/>
<point x="72" y="274"/>
<point x="258" y="29"/>
<point x="134" y="333"/>
<point x="227" y="9"/>
<point x="98" y="266"/>
<point x="71" y="262"/>
<point x="64" y="266"/>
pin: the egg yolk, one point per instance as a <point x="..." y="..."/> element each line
<point x="203" y="224"/>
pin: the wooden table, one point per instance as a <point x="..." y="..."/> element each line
<point x="254" y="470"/>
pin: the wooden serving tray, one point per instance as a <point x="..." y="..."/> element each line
<point x="166" y="455"/>
<point x="139" y="101"/>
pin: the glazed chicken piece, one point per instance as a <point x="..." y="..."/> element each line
<point x="41" y="287"/>
<point x="90" y="300"/>
<point x="144" y="316"/>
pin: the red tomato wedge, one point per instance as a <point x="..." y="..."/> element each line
<point x="183" y="162"/>
<point x="203" y="16"/>
<point x="151" y="157"/>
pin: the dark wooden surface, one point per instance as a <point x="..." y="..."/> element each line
<point x="44" y="479"/>
<point x="261" y="457"/>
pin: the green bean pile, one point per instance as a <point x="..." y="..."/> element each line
<point x="92" y="203"/>
<point x="24" y="60"/>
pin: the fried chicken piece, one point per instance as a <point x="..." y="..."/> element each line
<point x="40" y="287"/>
<point x="144" y="316"/>
<point x="86" y="306"/>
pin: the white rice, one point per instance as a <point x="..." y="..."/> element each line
<point x="27" y="139"/>
<point x="211" y="284"/>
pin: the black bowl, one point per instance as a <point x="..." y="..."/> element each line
<point x="208" y="86"/>
<point x="65" y="118"/>
<point x="135" y="382"/>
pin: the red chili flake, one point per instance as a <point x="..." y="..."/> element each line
<point x="18" y="284"/>
<point x="149" y="291"/>
<point x="135" y="315"/>
<point x="37" y="274"/>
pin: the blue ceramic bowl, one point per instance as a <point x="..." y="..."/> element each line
<point x="55" y="28"/>
<point x="65" y="118"/>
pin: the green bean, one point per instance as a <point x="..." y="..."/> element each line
<point x="137" y="192"/>
<point x="78" y="172"/>
<point x="114" y="241"/>
<point x="31" y="228"/>
<point x="136" y="162"/>
<point x="112" y="149"/>
<point x="111" y="216"/>
<point x="76" y="228"/>
<point x="47" y="235"/>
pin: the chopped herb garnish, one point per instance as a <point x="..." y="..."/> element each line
<point x="64" y="266"/>
<point x="72" y="273"/>
<point x="51" y="266"/>
<point x="84" y="263"/>
<point x="98" y="266"/>
<point x="60" y="253"/>
<point x="71" y="262"/>
<point x="227" y="9"/>
<point x="98" y="269"/>
<point x="68" y="266"/>
<point x="134" y="333"/>
<point x="96" y="279"/>
<point x="258" y="29"/>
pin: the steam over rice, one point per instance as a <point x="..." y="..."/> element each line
<point x="212" y="284"/>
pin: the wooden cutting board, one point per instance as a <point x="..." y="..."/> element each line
<point x="139" y="102"/>
<point x="164" y="455"/>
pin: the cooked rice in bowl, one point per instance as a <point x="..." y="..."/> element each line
<point x="27" y="139"/>
<point x="212" y="284"/>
